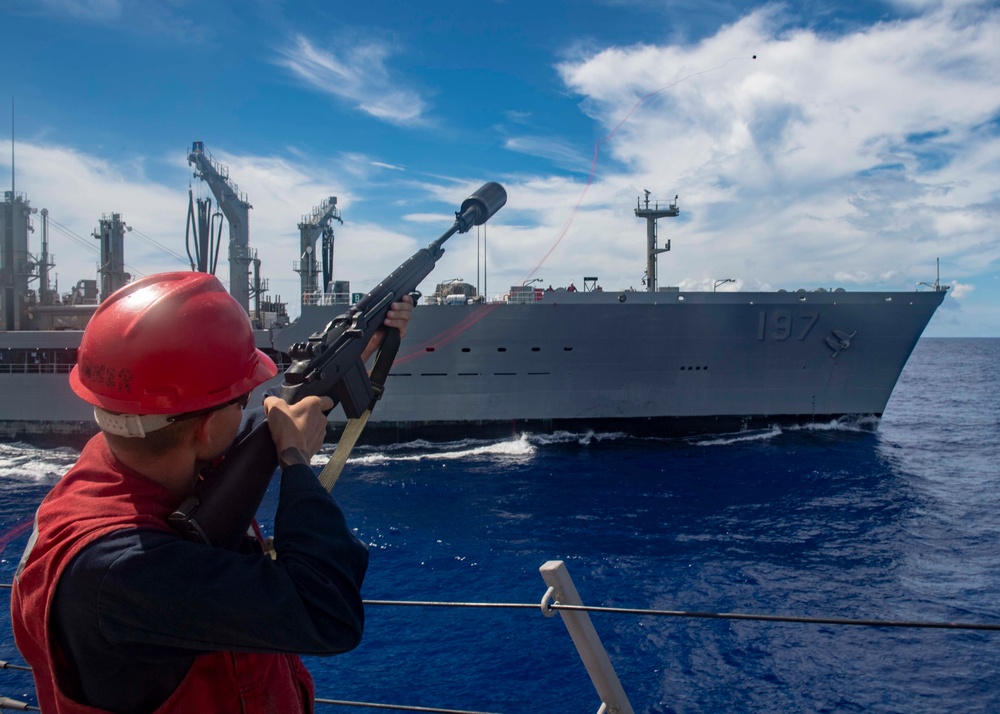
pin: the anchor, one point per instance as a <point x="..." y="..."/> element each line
<point x="840" y="340"/>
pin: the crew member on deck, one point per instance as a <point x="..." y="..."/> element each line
<point x="111" y="608"/>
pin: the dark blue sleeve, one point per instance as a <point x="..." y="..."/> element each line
<point x="134" y="600"/>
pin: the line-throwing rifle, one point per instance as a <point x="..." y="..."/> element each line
<point x="327" y="364"/>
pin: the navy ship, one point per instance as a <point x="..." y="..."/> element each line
<point x="666" y="363"/>
<point x="658" y="362"/>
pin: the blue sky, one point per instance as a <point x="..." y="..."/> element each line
<point x="860" y="145"/>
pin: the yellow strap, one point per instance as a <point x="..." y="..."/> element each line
<point x="331" y="472"/>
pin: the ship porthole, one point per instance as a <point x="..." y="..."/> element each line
<point x="622" y="298"/>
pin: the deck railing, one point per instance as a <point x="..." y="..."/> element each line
<point x="562" y="597"/>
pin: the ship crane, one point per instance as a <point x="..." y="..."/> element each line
<point x="236" y="209"/>
<point x="314" y="225"/>
<point x="651" y="214"/>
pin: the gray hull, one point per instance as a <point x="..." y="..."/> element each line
<point x="664" y="364"/>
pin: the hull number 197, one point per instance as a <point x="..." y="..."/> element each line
<point x="779" y="325"/>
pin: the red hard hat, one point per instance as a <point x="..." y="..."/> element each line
<point x="168" y="344"/>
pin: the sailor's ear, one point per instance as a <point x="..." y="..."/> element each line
<point x="200" y="431"/>
<point x="206" y="434"/>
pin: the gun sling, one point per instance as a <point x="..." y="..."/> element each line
<point x="352" y="430"/>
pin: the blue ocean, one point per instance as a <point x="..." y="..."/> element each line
<point x="838" y="520"/>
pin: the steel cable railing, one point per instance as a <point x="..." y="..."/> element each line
<point x="548" y="607"/>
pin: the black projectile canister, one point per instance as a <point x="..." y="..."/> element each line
<point x="489" y="199"/>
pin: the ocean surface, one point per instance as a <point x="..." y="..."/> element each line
<point x="831" y="520"/>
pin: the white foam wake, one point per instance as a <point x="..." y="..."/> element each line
<point x="24" y="463"/>
<point x="516" y="448"/>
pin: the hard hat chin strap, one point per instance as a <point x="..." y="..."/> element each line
<point x="130" y="425"/>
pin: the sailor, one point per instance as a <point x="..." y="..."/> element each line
<point x="112" y="609"/>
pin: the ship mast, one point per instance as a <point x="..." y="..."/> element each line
<point x="16" y="266"/>
<point x="45" y="294"/>
<point x="111" y="234"/>
<point x="651" y="215"/>
<point x="236" y="209"/>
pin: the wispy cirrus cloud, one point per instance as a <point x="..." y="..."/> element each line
<point x="359" y="75"/>
<point x="88" y="10"/>
<point x="132" y="17"/>
<point x="558" y="151"/>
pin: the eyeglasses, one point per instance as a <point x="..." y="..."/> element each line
<point x="242" y="400"/>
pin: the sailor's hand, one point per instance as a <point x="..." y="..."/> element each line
<point x="398" y="317"/>
<point x="297" y="429"/>
<point x="399" y="314"/>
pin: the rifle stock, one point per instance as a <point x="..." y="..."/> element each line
<point x="224" y="502"/>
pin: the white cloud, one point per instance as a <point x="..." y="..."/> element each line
<point x="961" y="290"/>
<point x="435" y="218"/>
<point x="357" y="74"/>
<point x="858" y="158"/>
